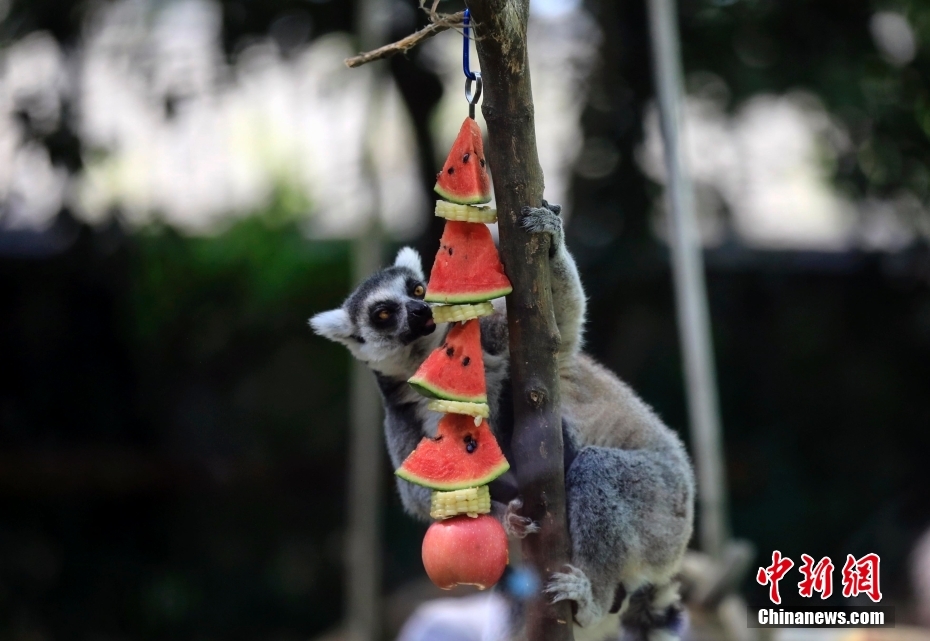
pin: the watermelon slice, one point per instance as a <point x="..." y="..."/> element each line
<point x="455" y="369"/>
<point x="467" y="268"/>
<point x="460" y="456"/>
<point x="464" y="177"/>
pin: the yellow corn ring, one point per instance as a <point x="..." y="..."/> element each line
<point x="471" y="501"/>
<point x="459" y="313"/>
<point x="465" y="213"/>
<point x="478" y="410"/>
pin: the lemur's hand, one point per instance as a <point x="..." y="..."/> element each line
<point x="544" y="220"/>
<point x="516" y="525"/>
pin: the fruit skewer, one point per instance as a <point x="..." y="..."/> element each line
<point x="465" y="545"/>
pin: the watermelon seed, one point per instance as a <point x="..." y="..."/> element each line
<point x="450" y="251"/>
<point x="466" y="157"/>
<point x="466" y="361"/>
<point x="450" y="352"/>
<point x="451" y="170"/>
<point x="482" y="162"/>
<point x="470" y="444"/>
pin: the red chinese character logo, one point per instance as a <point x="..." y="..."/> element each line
<point x="861" y="577"/>
<point x="773" y="574"/>
<point x="816" y="578"/>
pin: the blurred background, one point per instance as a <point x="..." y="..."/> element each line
<point x="181" y="182"/>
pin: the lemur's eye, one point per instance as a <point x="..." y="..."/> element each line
<point x="383" y="314"/>
<point x="419" y="291"/>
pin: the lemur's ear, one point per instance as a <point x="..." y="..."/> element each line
<point x="334" y="325"/>
<point x="409" y="258"/>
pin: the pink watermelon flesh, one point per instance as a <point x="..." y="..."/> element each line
<point x="460" y="456"/>
<point x="464" y="177"/>
<point x="467" y="267"/>
<point x="455" y="370"/>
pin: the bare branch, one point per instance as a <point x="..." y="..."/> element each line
<point x="536" y="443"/>
<point x="441" y="23"/>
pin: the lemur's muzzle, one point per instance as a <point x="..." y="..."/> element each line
<point x="420" y="318"/>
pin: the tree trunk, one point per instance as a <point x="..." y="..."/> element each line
<point x="500" y="27"/>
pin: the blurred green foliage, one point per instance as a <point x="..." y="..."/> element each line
<point x="179" y="443"/>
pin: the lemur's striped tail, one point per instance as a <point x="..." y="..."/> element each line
<point x="654" y="613"/>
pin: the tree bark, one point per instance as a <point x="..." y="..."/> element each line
<point x="500" y="27"/>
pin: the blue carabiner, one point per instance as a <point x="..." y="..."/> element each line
<point x="465" y="49"/>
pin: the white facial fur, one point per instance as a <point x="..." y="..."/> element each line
<point x="334" y="325"/>
<point x="409" y="258"/>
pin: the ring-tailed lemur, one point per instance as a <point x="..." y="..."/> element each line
<point x="629" y="484"/>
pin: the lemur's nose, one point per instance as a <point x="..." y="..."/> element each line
<point x="420" y="318"/>
<point x="418" y="310"/>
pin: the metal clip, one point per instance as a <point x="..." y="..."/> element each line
<point x="472" y="98"/>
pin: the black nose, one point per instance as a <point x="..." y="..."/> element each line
<point x="419" y="311"/>
<point x="420" y="318"/>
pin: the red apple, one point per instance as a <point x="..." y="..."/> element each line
<point x="465" y="551"/>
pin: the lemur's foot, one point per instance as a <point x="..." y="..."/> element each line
<point x="574" y="585"/>
<point x="544" y="220"/>
<point x="516" y="525"/>
<point x="656" y="608"/>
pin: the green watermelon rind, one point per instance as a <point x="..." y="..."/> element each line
<point x="432" y="391"/>
<point x="478" y="199"/>
<point x="496" y="471"/>
<point x="466" y="297"/>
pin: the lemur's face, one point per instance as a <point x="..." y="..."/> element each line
<point x="384" y="315"/>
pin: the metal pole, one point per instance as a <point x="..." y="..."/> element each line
<point x="366" y="491"/>
<point x="690" y="289"/>
<point x="363" y="548"/>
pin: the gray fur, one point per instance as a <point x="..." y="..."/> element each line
<point x="406" y="422"/>
<point x="629" y="484"/>
<point x="570" y="311"/>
